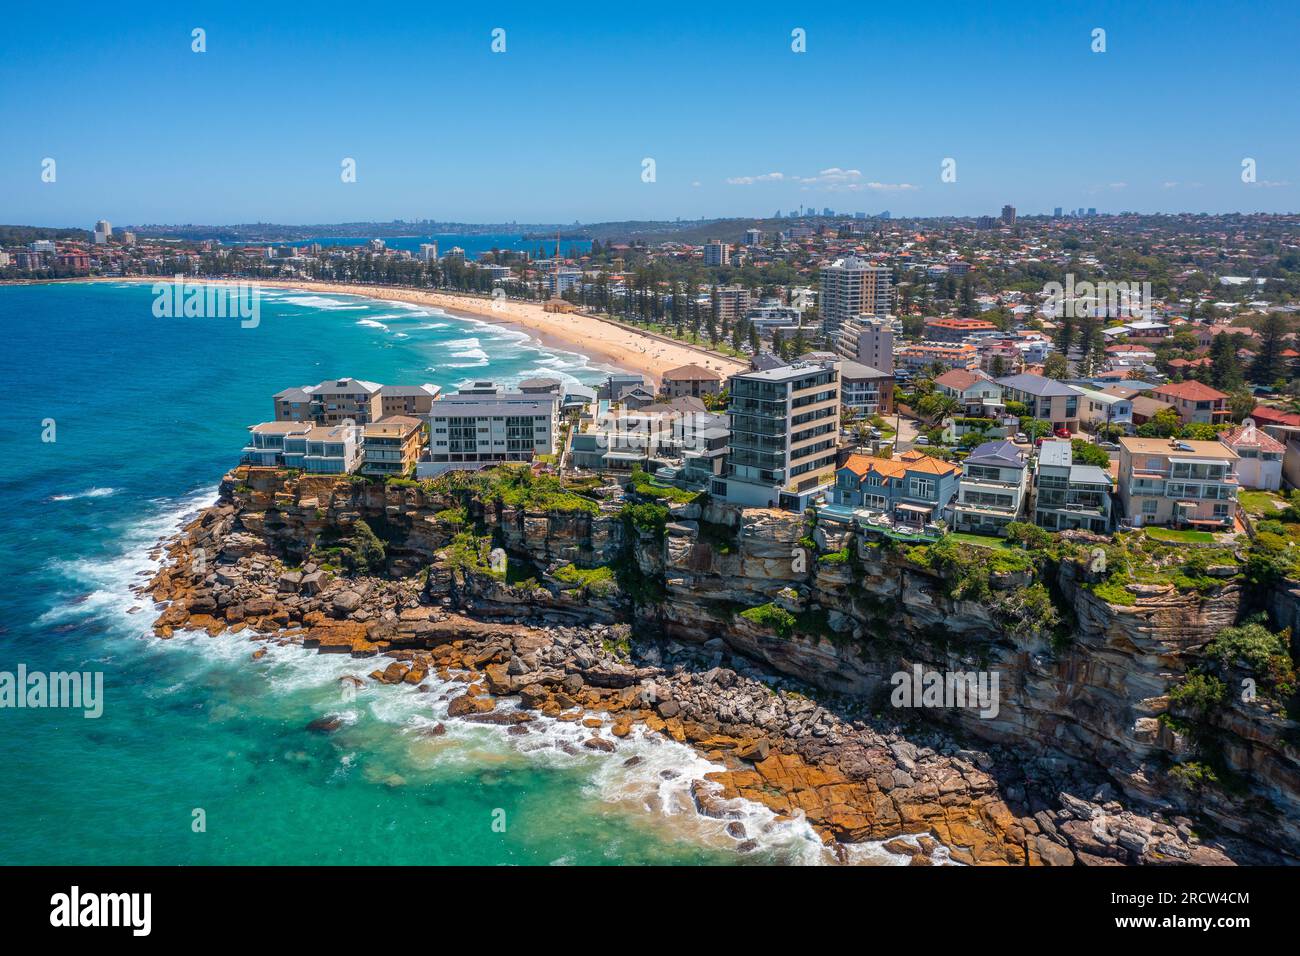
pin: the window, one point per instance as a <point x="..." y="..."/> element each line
<point x="1150" y="506"/>
<point x="922" y="488"/>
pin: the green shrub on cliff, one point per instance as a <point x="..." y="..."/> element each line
<point x="1199" y="694"/>
<point x="647" y="517"/>
<point x="1264" y="654"/>
<point x="599" y="581"/>
<point x="771" y="616"/>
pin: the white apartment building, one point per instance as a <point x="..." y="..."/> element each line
<point x="852" y="287"/>
<point x="484" y="424"/>
<point x="103" y="230"/>
<point x="717" y="253"/>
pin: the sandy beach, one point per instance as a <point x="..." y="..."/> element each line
<point x="603" y="341"/>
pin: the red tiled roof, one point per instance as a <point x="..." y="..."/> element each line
<point x="1192" y="391"/>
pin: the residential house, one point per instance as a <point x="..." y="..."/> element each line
<point x="1195" y="402"/>
<point x="1104" y="408"/>
<point x="1259" y="456"/>
<point x="911" y="489"/>
<point x="1178" y="482"/>
<point x="1145" y="408"/>
<point x="694" y="380"/>
<point x="991" y="492"/>
<point x="1070" y="496"/>
<point x="977" y="392"/>
<point x="1046" y="398"/>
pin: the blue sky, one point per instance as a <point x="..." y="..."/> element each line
<point x="556" y="128"/>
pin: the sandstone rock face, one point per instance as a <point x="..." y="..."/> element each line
<point x="1072" y="718"/>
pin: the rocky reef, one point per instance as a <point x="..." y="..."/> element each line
<point x="770" y="645"/>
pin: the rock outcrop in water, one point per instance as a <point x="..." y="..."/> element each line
<point x="1073" y="766"/>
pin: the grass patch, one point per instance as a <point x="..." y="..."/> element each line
<point x="982" y="540"/>
<point x="1263" y="504"/>
<point x="1180" y="537"/>
<point x="772" y="617"/>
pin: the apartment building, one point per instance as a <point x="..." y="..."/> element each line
<point x="867" y="339"/>
<point x="866" y="391"/>
<point x="265" y="448"/>
<point x="912" y="489"/>
<point x="1068" y="495"/>
<point x="1047" y="399"/>
<point x="785" y="425"/>
<point x="414" y="401"/>
<point x="1195" y="402"/>
<point x="991" y="491"/>
<point x="483" y="424"/>
<point x="955" y="330"/>
<point x="693" y="380"/>
<point x="850" y="287"/>
<point x="920" y="358"/>
<point x="392" y="445"/>
<point x="717" y="253"/>
<point x="325" y="450"/>
<point x="733" y="302"/>
<point x="1178" y="482"/>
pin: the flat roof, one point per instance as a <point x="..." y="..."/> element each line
<point x="1178" y="448"/>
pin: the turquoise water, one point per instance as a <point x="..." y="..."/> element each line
<point x="149" y="413"/>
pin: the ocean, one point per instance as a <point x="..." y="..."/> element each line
<point x="202" y="754"/>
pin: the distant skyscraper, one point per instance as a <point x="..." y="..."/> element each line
<point x="852" y="287"/>
<point x="1092" y="210"/>
<point x="1009" y="215"/>
<point x="1057" y="212"/>
<point x="716" y="253"/>
<point x="753" y="237"/>
<point x="429" y="251"/>
<point x="102" y="231"/>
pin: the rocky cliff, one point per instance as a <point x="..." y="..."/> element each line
<point x="1072" y="764"/>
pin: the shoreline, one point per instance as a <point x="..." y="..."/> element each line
<point x="601" y="341"/>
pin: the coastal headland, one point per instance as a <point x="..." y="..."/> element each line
<point x="634" y="619"/>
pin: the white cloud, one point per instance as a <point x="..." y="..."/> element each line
<point x="750" y="180"/>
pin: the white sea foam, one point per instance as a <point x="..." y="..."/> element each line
<point x="104" y="584"/>
<point x="322" y="302"/>
<point x="88" y="493"/>
<point x="372" y="324"/>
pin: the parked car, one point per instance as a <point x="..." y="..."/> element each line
<point x="921" y="440"/>
<point x="1021" y="438"/>
<point x="1062" y="433"/>
<point x="1107" y="446"/>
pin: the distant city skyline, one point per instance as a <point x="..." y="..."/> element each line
<point x="559" y="126"/>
